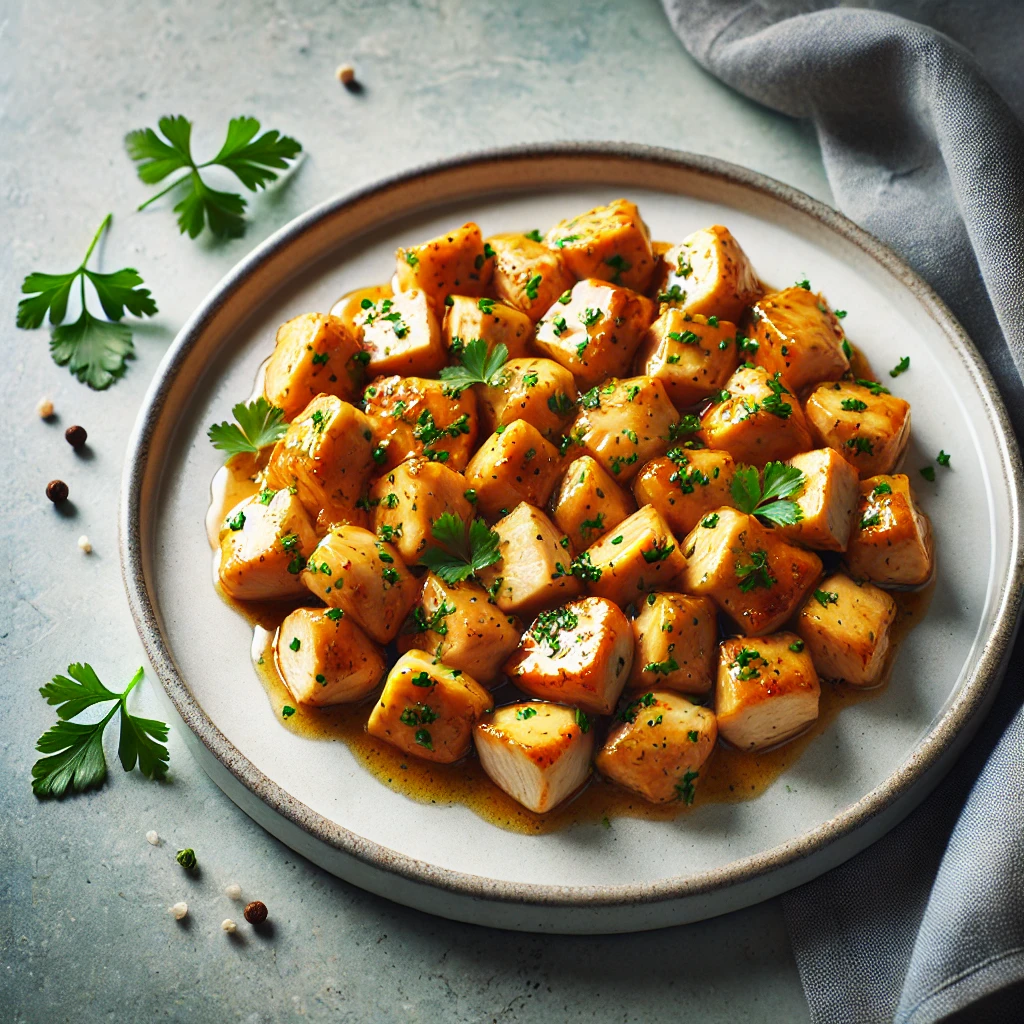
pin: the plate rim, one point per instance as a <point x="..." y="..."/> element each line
<point x="973" y="701"/>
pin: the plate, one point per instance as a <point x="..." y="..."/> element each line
<point x="874" y="762"/>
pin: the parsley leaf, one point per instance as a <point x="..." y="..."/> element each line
<point x="478" y="367"/>
<point x="252" y="160"/>
<point x="75" y="749"/>
<point x="259" y="424"/>
<point x="94" y="350"/>
<point x="463" y="551"/>
<point x="767" y="502"/>
<point x="901" y="367"/>
<point x="756" y="573"/>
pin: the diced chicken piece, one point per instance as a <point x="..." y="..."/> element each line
<point x="402" y="335"/>
<point x="578" y="654"/>
<point x="594" y="330"/>
<point x="828" y="500"/>
<point x="327" y="455"/>
<point x="589" y="502"/>
<point x="865" y="424"/>
<point x="349" y="309"/>
<point x="625" y="423"/>
<point x="686" y="486"/>
<point x="708" y="273"/>
<point x="610" y="243"/>
<point x="325" y="658"/>
<point x="676" y="644"/>
<point x="638" y="556"/>
<point x="534" y="389"/>
<point x="533" y="572"/>
<point x="658" y="746"/>
<point x="467" y="319"/>
<point x="538" y="753"/>
<point x="514" y="464"/>
<point x="799" y="336"/>
<point x="767" y="690"/>
<point x="264" y="546"/>
<point x="527" y="275"/>
<point x="414" y="416"/>
<point x="410" y="499"/>
<point x="693" y="356"/>
<point x="748" y="570"/>
<point x="756" y="419"/>
<point x="891" y="542"/>
<point x="451" y="264"/>
<point x="314" y="354"/>
<point x="461" y="627"/>
<point x="846" y="627"/>
<point x="428" y="710"/>
<point x="366" y="578"/>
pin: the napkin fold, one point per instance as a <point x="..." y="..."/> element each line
<point x="923" y="144"/>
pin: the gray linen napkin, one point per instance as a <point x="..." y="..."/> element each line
<point x="923" y="145"/>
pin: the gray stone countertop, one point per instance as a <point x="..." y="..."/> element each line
<point x="84" y="929"/>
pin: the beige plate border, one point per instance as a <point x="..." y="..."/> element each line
<point x="559" y="163"/>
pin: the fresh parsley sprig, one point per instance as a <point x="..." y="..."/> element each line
<point x="259" y="424"/>
<point x="75" y="749"/>
<point x="94" y="350"/>
<point x="478" y="367"/>
<point x="252" y="160"/>
<point x="464" y="551"/>
<point x="767" y="501"/>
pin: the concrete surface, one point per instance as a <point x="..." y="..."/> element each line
<point x="84" y="929"/>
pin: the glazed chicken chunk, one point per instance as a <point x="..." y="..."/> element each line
<point x="451" y="264"/>
<point x="532" y="389"/>
<point x="401" y="335"/>
<point x="686" y="485"/>
<point x="828" y="501"/>
<point x="676" y="641"/>
<point x="467" y="319"/>
<point x="589" y="502"/>
<point x="528" y="275"/>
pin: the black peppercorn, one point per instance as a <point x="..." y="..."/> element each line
<point x="76" y="436"/>
<point x="256" y="912"/>
<point x="57" y="491"/>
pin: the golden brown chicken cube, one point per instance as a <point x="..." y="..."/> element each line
<point x="748" y="570"/>
<point x="863" y="422"/>
<point x="453" y="263"/>
<point x="658" y="747"/>
<point x="539" y="753"/>
<point x="686" y="485"/>
<point x="327" y="455"/>
<point x="891" y="542"/>
<point x="799" y="336"/>
<point x="351" y="311"/>
<point x="578" y="654"/>
<point x="514" y="464"/>
<point x="846" y="627"/>
<point x="610" y="243"/>
<point x="594" y="330"/>
<point x="707" y="273"/>
<point x="533" y="572"/>
<point x="325" y="658"/>
<point x="428" y="709"/>
<point x="589" y="502"/>
<point x="693" y="356"/>
<point x="365" y="577"/>
<point x="409" y="499"/>
<point x="533" y="389"/>
<point x="676" y="643"/>
<point x="314" y="354"/>
<point x="756" y="419"/>
<point x="457" y="623"/>
<point x="827" y="501"/>
<point x="527" y="275"/>
<point x="767" y="690"/>
<point x="625" y="423"/>
<point x="467" y="319"/>
<point x="638" y="556"/>
<point x="413" y="416"/>
<point x="264" y="543"/>
<point x="401" y="334"/>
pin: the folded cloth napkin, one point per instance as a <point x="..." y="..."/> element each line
<point x="922" y="150"/>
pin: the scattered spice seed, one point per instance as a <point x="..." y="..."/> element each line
<point x="152" y="838"/>
<point x="57" y="491"/>
<point x="186" y="858"/>
<point x="44" y="408"/>
<point x="256" y="912"/>
<point x="179" y="910"/>
<point x="233" y="891"/>
<point x="76" y="436"/>
<point x="346" y="74"/>
<point x="86" y="546"/>
<point x="229" y="926"/>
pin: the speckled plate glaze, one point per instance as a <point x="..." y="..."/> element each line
<point x="874" y="763"/>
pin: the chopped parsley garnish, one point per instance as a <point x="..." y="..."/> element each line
<point x="840" y="313"/>
<point x="422" y="737"/>
<point x="658" y="551"/>
<point x="805" y="284"/>
<point x="873" y="386"/>
<point x="774" y="403"/>
<point x="797" y="646"/>
<point x="619" y="265"/>
<point x="236" y="522"/>
<point x="559" y="326"/>
<point x="684" y="337"/>
<point x="418" y="714"/>
<point x="561" y="243"/>
<point x="470" y="495"/>
<point x="566" y="297"/>
<point x="589" y="316"/>
<point x="901" y="367"/>
<point x="534" y="235"/>
<point x="589" y="525"/>
<point x="287" y="711"/>
<point x="826" y="597"/>
<point x="928" y="472"/>
<point x="861" y="445"/>
<point x="410" y="257"/>
<point x="334" y="614"/>
<point x="464" y="550"/>
<point x="882" y="488"/>
<point x="295" y="644"/>
<point x="422" y="679"/>
<point x="942" y="458"/>
<point x="674" y="294"/>
<point x="854" y="405"/>
<point x="755" y="573"/>
<point x="548" y="625"/>
<point x="618" y="461"/>
<point x="582" y="721"/>
<point x="769" y="501"/>
<point x="684" y="788"/>
<point x="664" y="668"/>
<point x="532" y="285"/>
<point x="874" y="519"/>
<point x="630" y="711"/>
<point x="530" y="380"/>
<point x="524" y="714"/>
<point x="560" y="404"/>
<point x="710" y="522"/>
<point x="744" y="663"/>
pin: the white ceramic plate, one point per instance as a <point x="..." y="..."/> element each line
<point x="874" y="763"/>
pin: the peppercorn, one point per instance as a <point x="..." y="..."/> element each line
<point x="255" y="912"/>
<point x="186" y="858"/>
<point x="76" y="437"/>
<point x="57" y="491"/>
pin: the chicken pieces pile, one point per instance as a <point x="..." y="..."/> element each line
<point x="572" y="511"/>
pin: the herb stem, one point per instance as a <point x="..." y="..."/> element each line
<point x="136" y="679"/>
<point x="92" y="245"/>
<point x="163" y="192"/>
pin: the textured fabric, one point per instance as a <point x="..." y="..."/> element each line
<point x="923" y="145"/>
